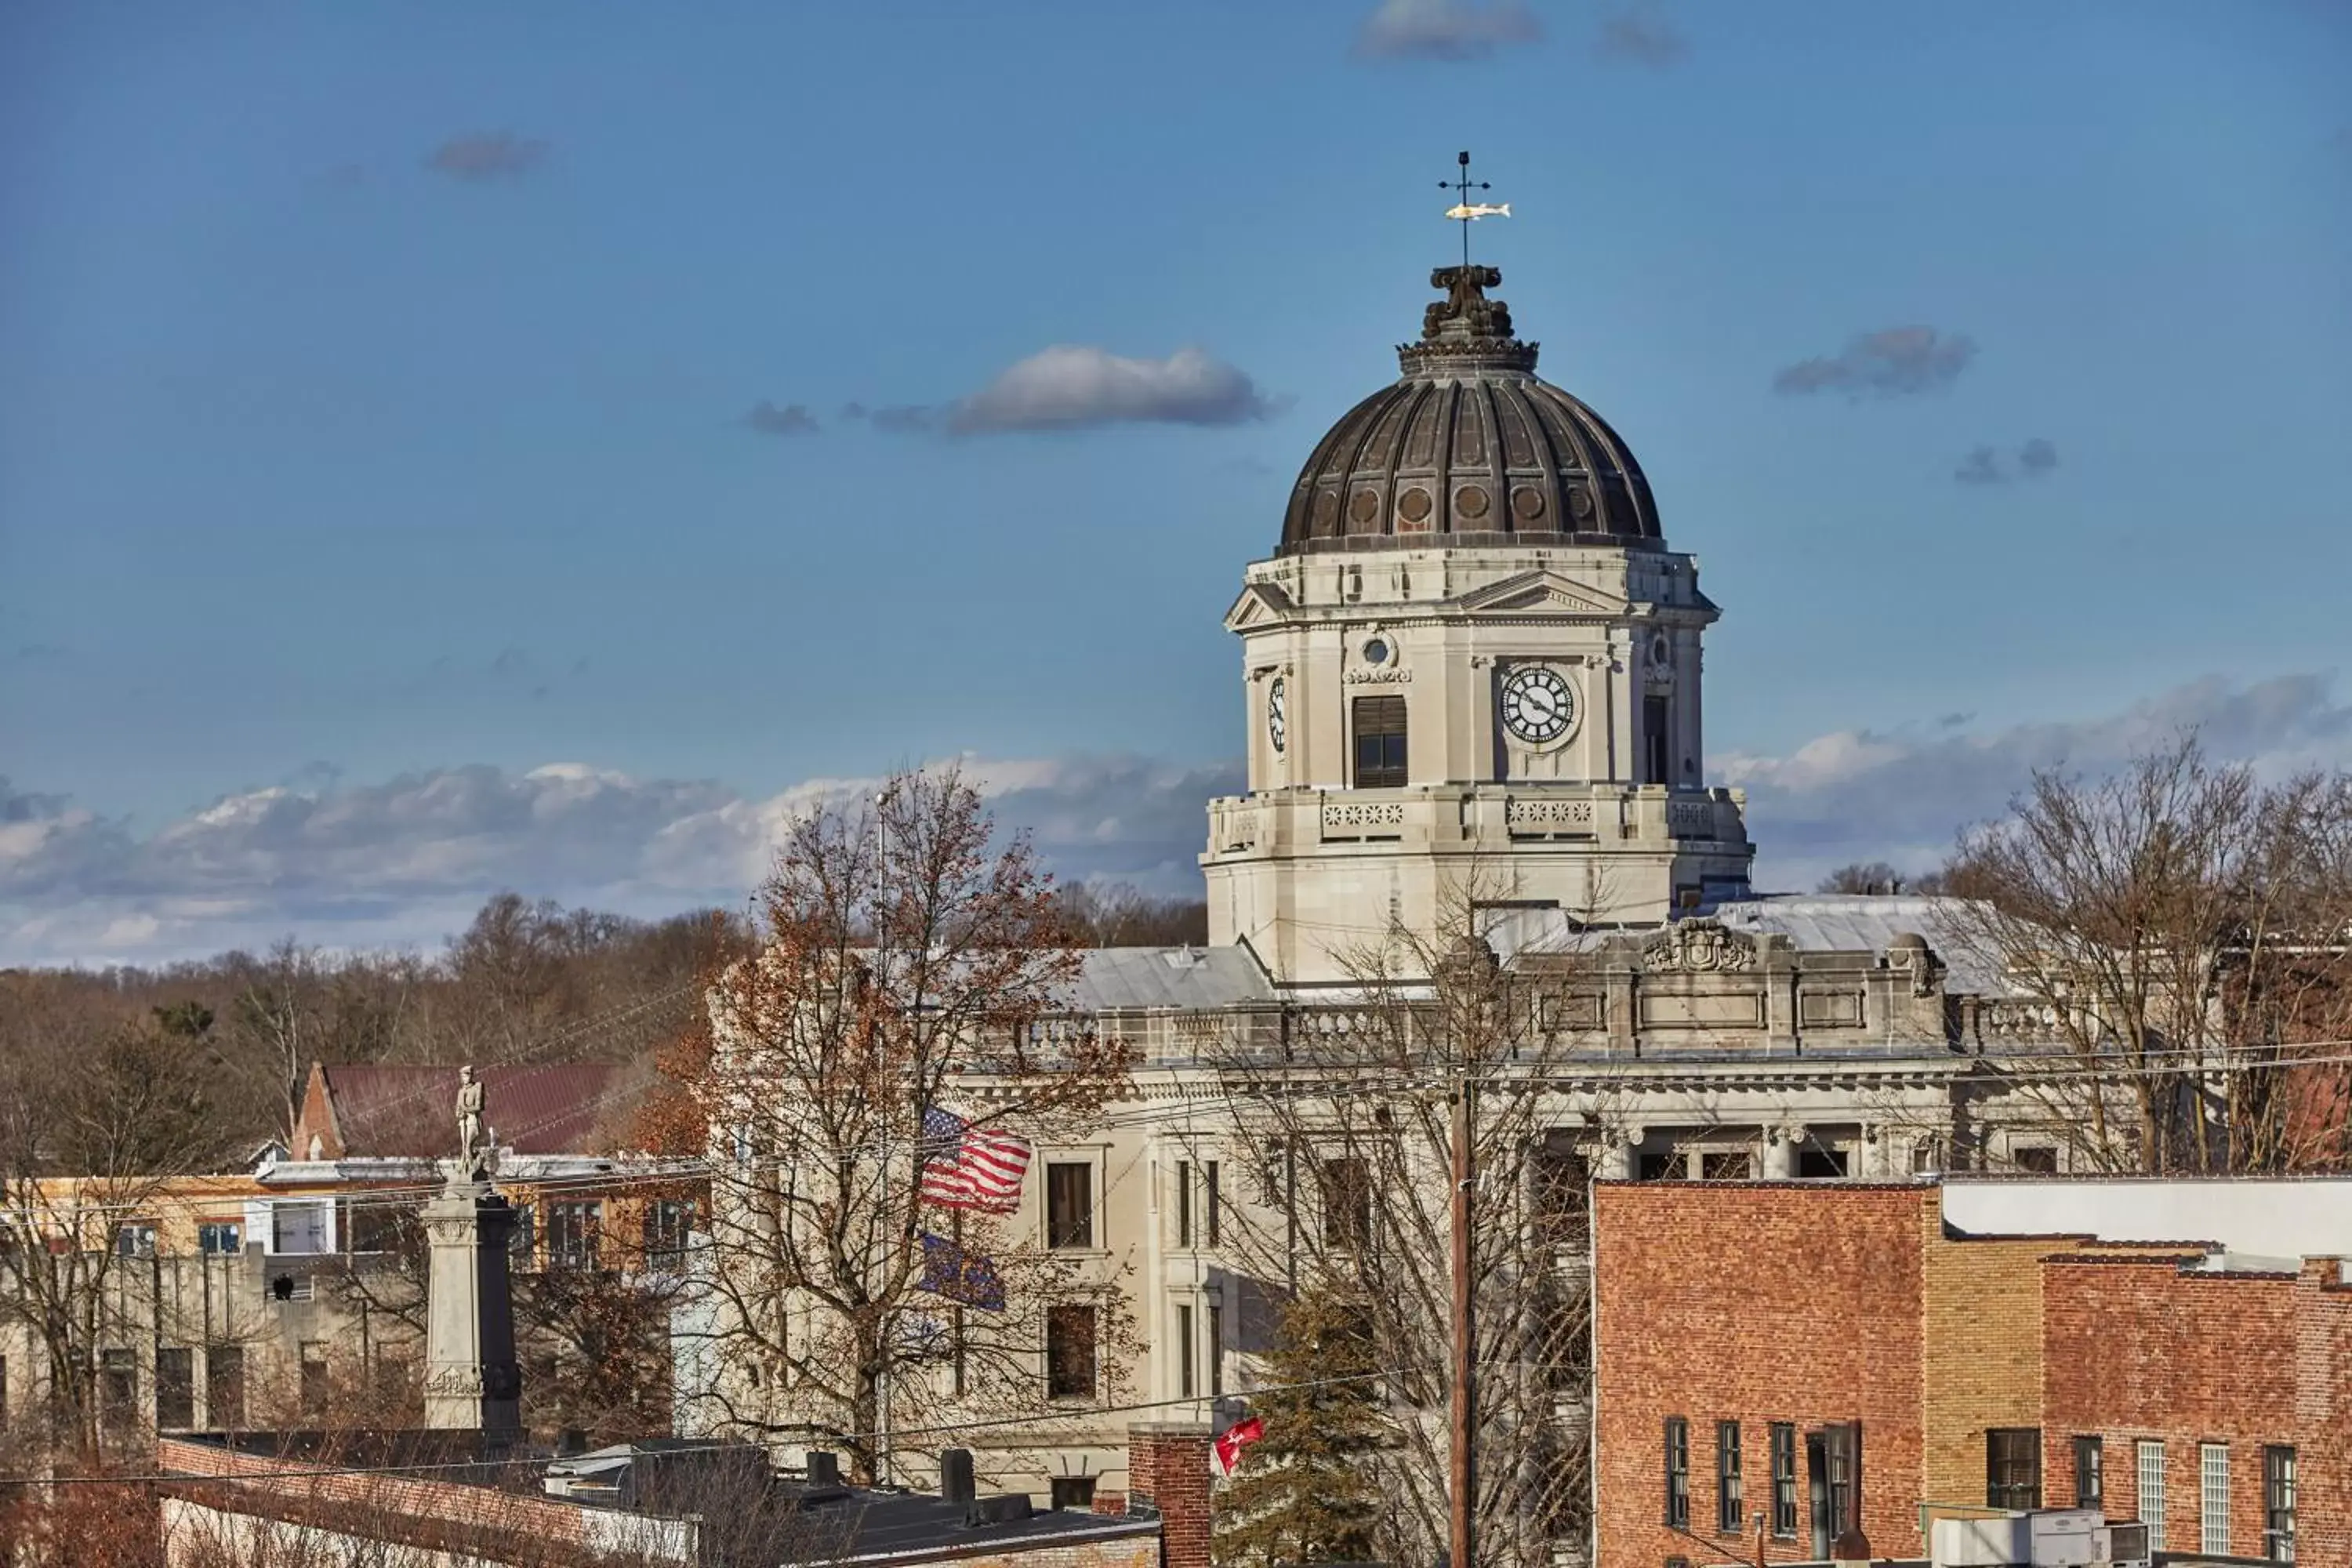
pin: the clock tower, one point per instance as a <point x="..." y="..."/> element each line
<point x="1471" y="672"/>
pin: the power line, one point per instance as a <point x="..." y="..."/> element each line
<point x="1063" y="1416"/>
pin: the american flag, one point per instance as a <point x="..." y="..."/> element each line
<point x="968" y="1167"/>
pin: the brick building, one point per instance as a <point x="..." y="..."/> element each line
<point x="1826" y="1354"/>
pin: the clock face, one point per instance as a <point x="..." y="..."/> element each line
<point x="1538" y="704"/>
<point x="1277" y="717"/>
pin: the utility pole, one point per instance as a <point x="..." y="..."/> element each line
<point x="1465" y="1476"/>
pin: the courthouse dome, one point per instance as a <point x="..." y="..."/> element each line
<point x="1468" y="448"/>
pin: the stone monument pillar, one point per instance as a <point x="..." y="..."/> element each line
<point x="471" y="1379"/>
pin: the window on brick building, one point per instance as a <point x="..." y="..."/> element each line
<point x="2148" y="1462"/>
<point x="2278" y="1503"/>
<point x="1070" y="1352"/>
<point x="2213" y="1499"/>
<point x="2014" y="1467"/>
<point x="1784" y="1478"/>
<point x="1678" y="1472"/>
<point x="1728" y="1518"/>
<point x="2090" y="1473"/>
<point x="1074" y="1492"/>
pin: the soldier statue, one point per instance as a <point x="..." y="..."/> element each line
<point x="473" y="1150"/>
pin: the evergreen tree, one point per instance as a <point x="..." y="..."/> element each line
<point x="1305" y="1491"/>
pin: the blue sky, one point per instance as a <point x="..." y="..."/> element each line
<point x="381" y="481"/>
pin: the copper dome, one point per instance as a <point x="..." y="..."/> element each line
<point x="1468" y="448"/>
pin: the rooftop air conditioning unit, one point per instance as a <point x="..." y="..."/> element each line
<point x="2124" y="1545"/>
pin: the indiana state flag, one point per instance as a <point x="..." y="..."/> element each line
<point x="967" y="1279"/>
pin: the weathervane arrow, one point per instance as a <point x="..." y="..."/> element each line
<point x="1464" y="211"/>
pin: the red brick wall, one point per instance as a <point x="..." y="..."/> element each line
<point x="1169" y="1467"/>
<point x="2134" y="1349"/>
<point x="1755" y="1303"/>
<point x="2323" y="1408"/>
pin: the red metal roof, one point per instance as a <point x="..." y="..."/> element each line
<point x="411" y="1110"/>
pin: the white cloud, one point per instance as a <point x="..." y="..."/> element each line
<point x="1857" y="795"/>
<point x="1072" y="386"/>
<point x="406" y="861"/>
<point x="1446" y="29"/>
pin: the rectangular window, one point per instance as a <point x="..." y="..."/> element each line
<point x="1184" y="1353"/>
<point x="1070" y="1352"/>
<point x="118" y="1386"/>
<point x="176" y="1388"/>
<point x="522" y="1241"/>
<point x="1678" y="1472"/>
<point x="572" y="1230"/>
<point x="2213" y="1499"/>
<point x="1074" y="1492"/>
<point x="2090" y="1473"/>
<point x="1727" y="1516"/>
<point x="395" y="1374"/>
<point x="1070" y="1204"/>
<point x="314" y="1377"/>
<point x="1216" y="1347"/>
<point x="1660" y="1166"/>
<point x="370" y="1225"/>
<point x="2014" y="1467"/>
<point x="220" y="1239"/>
<point x="1658" y="740"/>
<point x="1784" y="1479"/>
<point x="1380" y="743"/>
<point x="225" y="1387"/>
<point x="1820" y="1162"/>
<point x="1347" y="1203"/>
<point x="298" y="1228"/>
<point x="2039" y="1159"/>
<point x="1727" y="1165"/>
<point x="1211" y="1200"/>
<point x="135" y="1238"/>
<point x="1926" y="1156"/>
<point x="2148" y="1459"/>
<point x="4" y="1393"/>
<point x="668" y="1223"/>
<point x="2278" y="1503"/>
<point x="1183" y="1203"/>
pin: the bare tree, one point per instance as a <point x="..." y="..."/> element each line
<point x="2183" y="931"/>
<point x="1878" y="876"/>
<point x="1354" y="1122"/>
<point x="97" y="1116"/>
<point x="908" y="958"/>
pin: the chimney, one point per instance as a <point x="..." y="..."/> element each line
<point x="955" y="1476"/>
<point x="823" y="1468"/>
<point x="1168" y="1474"/>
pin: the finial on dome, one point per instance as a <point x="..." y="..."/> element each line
<point x="1465" y="311"/>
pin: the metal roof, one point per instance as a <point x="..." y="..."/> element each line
<point x="1865" y="922"/>
<point x="1112" y="979"/>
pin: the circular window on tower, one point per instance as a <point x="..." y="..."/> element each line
<point x="1378" y="651"/>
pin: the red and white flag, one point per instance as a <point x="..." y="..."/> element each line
<point x="968" y="1167"/>
<point x="1225" y="1453"/>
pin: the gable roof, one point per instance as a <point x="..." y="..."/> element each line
<point x="359" y="1111"/>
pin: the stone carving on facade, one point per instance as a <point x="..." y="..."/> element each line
<point x="1699" y="946"/>
<point x="1465" y="303"/>
<point x="1909" y="954"/>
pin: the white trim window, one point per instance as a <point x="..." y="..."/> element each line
<point x="300" y="1228"/>
<point x="2148" y="1459"/>
<point x="2213" y="1499"/>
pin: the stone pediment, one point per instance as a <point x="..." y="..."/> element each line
<point x="1261" y="603"/>
<point x="1542" y="592"/>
